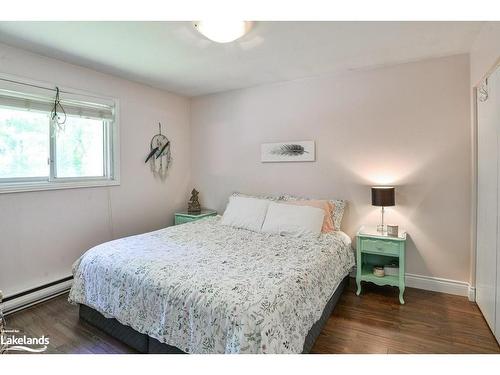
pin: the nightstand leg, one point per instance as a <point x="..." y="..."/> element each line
<point x="402" y="273"/>
<point x="358" y="282"/>
<point x="401" y="292"/>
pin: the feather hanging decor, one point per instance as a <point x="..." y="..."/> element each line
<point x="150" y="155"/>
<point x="163" y="149"/>
<point x="290" y="150"/>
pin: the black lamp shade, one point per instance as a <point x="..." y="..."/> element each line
<point x="383" y="196"/>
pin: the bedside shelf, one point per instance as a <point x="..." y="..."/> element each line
<point x="367" y="275"/>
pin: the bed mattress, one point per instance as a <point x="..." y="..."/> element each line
<point x="207" y="288"/>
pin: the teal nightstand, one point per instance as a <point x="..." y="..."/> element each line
<point x="374" y="248"/>
<point x="186" y="217"/>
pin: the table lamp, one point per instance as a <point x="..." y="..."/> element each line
<point x="382" y="196"/>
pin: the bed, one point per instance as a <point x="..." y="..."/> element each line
<point x="203" y="287"/>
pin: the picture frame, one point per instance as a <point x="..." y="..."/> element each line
<point x="292" y="151"/>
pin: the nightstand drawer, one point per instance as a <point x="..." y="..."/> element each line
<point x="380" y="246"/>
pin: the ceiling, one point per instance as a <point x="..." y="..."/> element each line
<point x="174" y="57"/>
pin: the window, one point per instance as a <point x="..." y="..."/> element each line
<point x="80" y="149"/>
<point x="36" y="153"/>
<point x="24" y="144"/>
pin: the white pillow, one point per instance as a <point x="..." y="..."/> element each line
<point x="291" y="220"/>
<point x="244" y="212"/>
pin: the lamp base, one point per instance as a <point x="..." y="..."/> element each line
<point x="381" y="228"/>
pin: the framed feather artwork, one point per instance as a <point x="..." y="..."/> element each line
<point x="288" y="151"/>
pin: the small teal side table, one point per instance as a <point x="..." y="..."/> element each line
<point x="374" y="248"/>
<point x="186" y="217"/>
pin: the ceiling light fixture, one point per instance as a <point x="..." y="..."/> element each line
<point x="223" y="31"/>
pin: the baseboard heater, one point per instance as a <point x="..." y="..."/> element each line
<point x="30" y="297"/>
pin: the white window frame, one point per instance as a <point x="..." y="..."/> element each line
<point x="111" y="145"/>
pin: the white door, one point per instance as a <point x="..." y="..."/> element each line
<point x="494" y="81"/>
<point x="487" y="205"/>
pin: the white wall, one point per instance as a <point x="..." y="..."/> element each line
<point x="43" y="233"/>
<point x="407" y="125"/>
<point x="485" y="51"/>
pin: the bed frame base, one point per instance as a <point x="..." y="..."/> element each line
<point x="145" y="344"/>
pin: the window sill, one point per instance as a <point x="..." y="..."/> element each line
<point x="20" y="187"/>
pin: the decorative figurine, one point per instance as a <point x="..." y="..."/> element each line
<point x="194" y="204"/>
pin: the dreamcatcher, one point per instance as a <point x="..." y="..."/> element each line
<point x="159" y="156"/>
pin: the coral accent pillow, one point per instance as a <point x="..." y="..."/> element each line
<point x="326" y="206"/>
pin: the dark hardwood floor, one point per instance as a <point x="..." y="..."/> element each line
<point x="429" y="322"/>
<point x="375" y="322"/>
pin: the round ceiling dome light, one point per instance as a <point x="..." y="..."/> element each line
<point x="223" y="31"/>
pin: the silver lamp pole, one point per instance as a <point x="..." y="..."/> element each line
<point x="381" y="226"/>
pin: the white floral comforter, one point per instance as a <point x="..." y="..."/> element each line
<point x="208" y="288"/>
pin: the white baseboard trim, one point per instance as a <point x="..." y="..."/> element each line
<point x="437" y="284"/>
<point x="472" y="294"/>
<point x="36" y="297"/>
